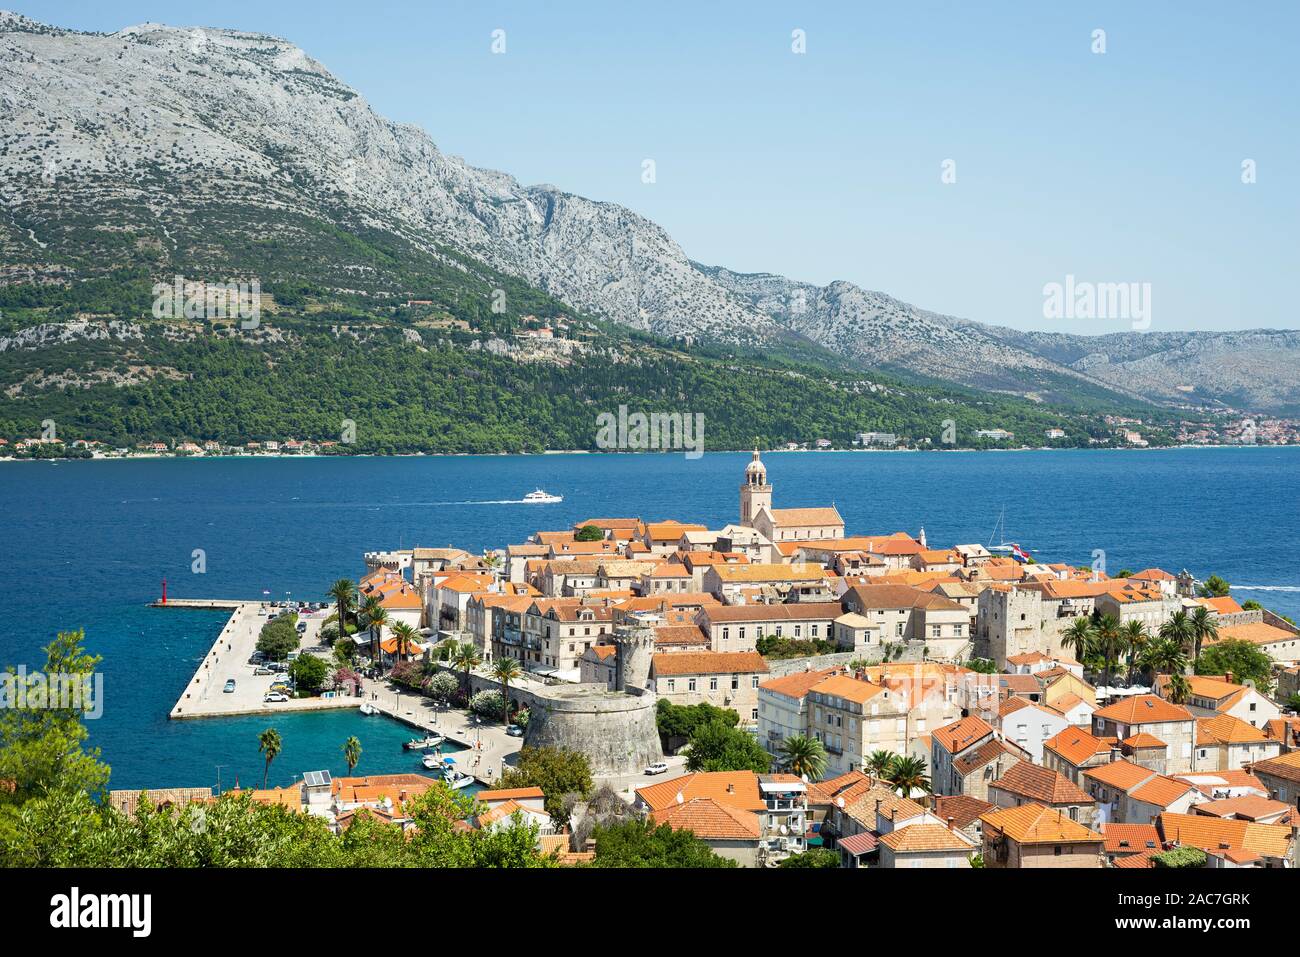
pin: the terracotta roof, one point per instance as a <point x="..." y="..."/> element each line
<point x="848" y="786"/>
<point x="710" y="819"/>
<point x="1208" y="782"/>
<point x="902" y="596"/>
<point x="849" y="688"/>
<point x="1123" y="775"/>
<point x="1256" y="632"/>
<point x="978" y="757"/>
<point x="1076" y="745"/>
<point x="1143" y="739"/>
<point x="796" y="685"/>
<point x="1143" y="709"/>
<point x="709" y="663"/>
<point x="1036" y="824"/>
<point x="961" y="734"/>
<point x="1248" y="807"/>
<point x="1161" y="791"/>
<point x="681" y="635"/>
<point x="1039" y="784"/>
<point x="790" y="611"/>
<point x="510" y="794"/>
<point x="757" y="572"/>
<point x="508" y="809"/>
<point x="962" y="808"/>
<point x="1139" y="861"/>
<point x="1129" y="838"/>
<point x="1216" y="833"/>
<point x="859" y="844"/>
<point x="1225" y="729"/>
<point x="1153" y="574"/>
<point x="713" y="784"/>
<point x="1224" y="606"/>
<point x="924" y="838"/>
<point x="787" y="517"/>
<point x="1286" y="766"/>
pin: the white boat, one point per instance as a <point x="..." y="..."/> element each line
<point x="456" y="779"/>
<point x="418" y="744"/>
<point x="432" y="761"/>
<point x="368" y="709"/>
<point x="539" y="497"/>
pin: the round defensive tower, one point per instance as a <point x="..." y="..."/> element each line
<point x="616" y="731"/>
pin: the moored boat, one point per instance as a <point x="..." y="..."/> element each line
<point x="418" y="744"/>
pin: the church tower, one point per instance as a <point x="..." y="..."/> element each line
<point x="755" y="493"/>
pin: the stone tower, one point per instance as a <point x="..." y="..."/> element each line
<point x="755" y="493"/>
<point x="636" y="647"/>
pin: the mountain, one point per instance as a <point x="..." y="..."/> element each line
<point x="213" y="150"/>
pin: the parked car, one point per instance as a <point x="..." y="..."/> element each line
<point x="230" y="686"/>
<point x="271" y="696"/>
<point x="515" y="731"/>
<point x="302" y="627"/>
<point x="262" y="670"/>
<point x="659" y="767"/>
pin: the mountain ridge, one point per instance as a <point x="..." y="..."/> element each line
<point x="173" y="121"/>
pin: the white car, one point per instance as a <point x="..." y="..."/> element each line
<point x="659" y="767"/>
<point x="275" y="696"/>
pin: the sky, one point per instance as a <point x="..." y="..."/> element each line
<point x="959" y="156"/>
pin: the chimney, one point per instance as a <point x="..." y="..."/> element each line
<point x="951" y="822"/>
<point x="1116" y="754"/>
<point x="1227" y="676"/>
<point x="731" y="789"/>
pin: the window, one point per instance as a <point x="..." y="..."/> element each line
<point x="798" y="631"/>
<point x="735" y="682"/>
<point x="690" y="684"/>
<point x="936" y="631"/>
<point x="1056" y="850"/>
<point x="755" y="681"/>
<point x="814" y="634"/>
<point x="672" y="684"/>
<point x="754" y="715"/>
<point x="725" y="634"/>
<point x="898" y="630"/>
<point x="741" y="633"/>
<point x="713" y="683"/>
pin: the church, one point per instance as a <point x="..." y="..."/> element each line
<point x="782" y="524"/>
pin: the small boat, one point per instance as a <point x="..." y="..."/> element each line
<point x="419" y="744"/>
<point x="539" y="497"/>
<point x="456" y="779"/>
<point x="431" y="761"/>
<point x="368" y="709"/>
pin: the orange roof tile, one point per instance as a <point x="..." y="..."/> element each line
<point x="1076" y="745"/>
<point x="1143" y="709"/>
<point x="1213" y="833"/>
<point x="1123" y="775"/>
<point x="710" y="819"/>
<point x="736" y="788"/>
<point x="961" y="734"/>
<point x="924" y="838"/>
<point x="1036" y="824"/>
<point x="1127" y="838"/>
<point x="709" y="663"/>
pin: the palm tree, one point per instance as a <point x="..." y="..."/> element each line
<point x="1178" y="688"/>
<point x="803" y="756"/>
<point x="405" y="636"/>
<point x="1109" y="641"/>
<point x="879" y="762"/>
<point x="376" y="618"/>
<point x="1164" y="655"/>
<point x="1203" y="629"/>
<point x="1135" y="638"/>
<point x="269" y="743"/>
<point x="907" y="774"/>
<point x="1079" y="637"/>
<point x="466" y="656"/>
<point x="1179" y="629"/>
<point x="352" y="752"/>
<point x="506" y="670"/>
<point x="344" y="594"/>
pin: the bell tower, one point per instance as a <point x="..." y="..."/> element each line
<point x="755" y="493"/>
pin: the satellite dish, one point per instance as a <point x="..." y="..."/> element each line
<point x="784" y="829"/>
<point x="839" y="802"/>
<point x="680" y="799"/>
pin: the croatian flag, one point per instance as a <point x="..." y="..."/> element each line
<point x="1020" y="555"/>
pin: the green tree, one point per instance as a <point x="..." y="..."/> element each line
<point x="1180" y="858"/>
<point x="1178" y="629"/>
<point x="803" y="756"/>
<point x="1244" y="660"/>
<point x="1179" y="688"/>
<point x="716" y="746"/>
<point x="1133" y="639"/>
<point x="1164" y="655"/>
<point x="1213" y="587"/>
<point x="816" y="857"/>
<point x="559" y="772"/>
<point x="42" y="748"/>
<point x="1079" y="638"/>
<point x="270" y="745"/>
<point x="639" y="843"/>
<point x="879" y="762"/>
<point x="309" y="673"/>
<point x="681" y="720"/>
<point x="589" y="533"/>
<point x="1109" y="641"/>
<point x="1204" y="630"/>
<point x="277" y="638"/>
<point x="405" y="637"/>
<point x="907" y="776"/>
<point x="352" y="752"/>
<point x="506" y="670"/>
<point x="467" y="658"/>
<point x="344" y="593"/>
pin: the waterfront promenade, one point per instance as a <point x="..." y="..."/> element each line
<point x="204" y="696"/>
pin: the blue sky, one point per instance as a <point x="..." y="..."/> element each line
<point x="1117" y="167"/>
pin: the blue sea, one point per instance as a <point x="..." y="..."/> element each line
<point x="87" y="544"/>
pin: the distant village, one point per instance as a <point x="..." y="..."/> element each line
<point x="917" y="704"/>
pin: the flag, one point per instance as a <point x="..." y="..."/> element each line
<point x="1020" y="555"/>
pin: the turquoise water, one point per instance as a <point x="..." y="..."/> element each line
<point x="86" y="544"/>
